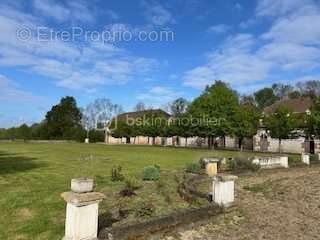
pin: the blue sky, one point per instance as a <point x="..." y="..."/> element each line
<point x="249" y="44"/>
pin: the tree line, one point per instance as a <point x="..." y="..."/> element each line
<point x="218" y="112"/>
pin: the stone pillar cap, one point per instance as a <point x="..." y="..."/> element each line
<point x="82" y="199"/>
<point x="211" y="159"/>
<point x="226" y="178"/>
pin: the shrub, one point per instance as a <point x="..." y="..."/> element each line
<point x="295" y="161"/>
<point x="203" y="163"/>
<point x="151" y="173"/>
<point x="239" y="164"/>
<point x="193" y="168"/>
<point x="313" y="158"/>
<point x="132" y="183"/>
<point x="144" y="210"/>
<point x="116" y="175"/>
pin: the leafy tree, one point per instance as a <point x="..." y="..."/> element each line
<point x="313" y="120"/>
<point x="214" y="109"/>
<point x="155" y="125"/>
<point x="181" y="126"/>
<point x="246" y="122"/>
<point x="24" y="132"/>
<point x="179" y="107"/>
<point x="64" y="120"/>
<point x="281" y="124"/>
<point x="265" y="97"/>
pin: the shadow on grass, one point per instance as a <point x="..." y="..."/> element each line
<point x="12" y="163"/>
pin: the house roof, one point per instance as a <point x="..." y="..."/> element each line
<point x="299" y="105"/>
<point x="139" y="114"/>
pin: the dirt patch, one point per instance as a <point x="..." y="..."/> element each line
<point x="24" y="214"/>
<point x="273" y="204"/>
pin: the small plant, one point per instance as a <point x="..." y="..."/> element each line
<point x="131" y="184"/>
<point x="116" y="175"/>
<point x="145" y="209"/>
<point x="295" y="161"/>
<point x="240" y="164"/>
<point x="203" y="163"/>
<point x="162" y="188"/>
<point x="313" y="158"/>
<point x="151" y="173"/>
<point x="193" y="168"/>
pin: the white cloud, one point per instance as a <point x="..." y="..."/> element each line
<point x="157" y="14"/>
<point x="248" y="23"/>
<point x="290" y="46"/>
<point x="219" y="29"/>
<point x="275" y="8"/>
<point x="159" y="95"/>
<point x="298" y="30"/>
<point x="10" y="91"/>
<point x="68" y="64"/>
<point x="73" y="10"/>
<point x="238" y="7"/>
<point x="51" y="9"/>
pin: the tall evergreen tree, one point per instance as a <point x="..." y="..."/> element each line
<point x="64" y="120"/>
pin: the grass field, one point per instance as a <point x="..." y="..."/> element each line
<point x="32" y="177"/>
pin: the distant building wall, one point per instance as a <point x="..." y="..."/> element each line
<point x="263" y="142"/>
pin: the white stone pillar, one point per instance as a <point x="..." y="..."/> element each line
<point x="284" y="161"/>
<point x="82" y="215"/>
<point x="305" y="158"/>
<point x="223" y="190"/>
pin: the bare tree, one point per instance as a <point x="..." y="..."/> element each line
<point x="282" y="91"/>
<point x="98" y="114"/>
<point x="140" y="106"/>
<point x="179" y="106"/>
<point x="309" y="88"/>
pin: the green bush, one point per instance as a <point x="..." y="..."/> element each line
<point x="313" y="158"/>
<point x="116" y="174"/>
<point x="241" y="164"/>
<point x="202" y="163"/>
<point x="193" y="168"/>
<point x="295" y="161"/>
<point x="151" y="173"/>
<point x="144" y="209"/>
<point x="132" y="184"/>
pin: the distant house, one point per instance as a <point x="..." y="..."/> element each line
<point x="130" y="117"/>
<point x="262" y="141"/>
<point x="297" y="106"/>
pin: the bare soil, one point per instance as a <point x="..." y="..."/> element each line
<point x="271" y="204"/>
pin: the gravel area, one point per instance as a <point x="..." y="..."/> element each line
<point x="271" y="204"/>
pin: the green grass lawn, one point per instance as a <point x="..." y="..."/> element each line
<point x="32" y="177"/>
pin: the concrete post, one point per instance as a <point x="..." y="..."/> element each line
<point x="223" y="190"/>
<point x="82" y="215"/>
<point x="305" y="158"/>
